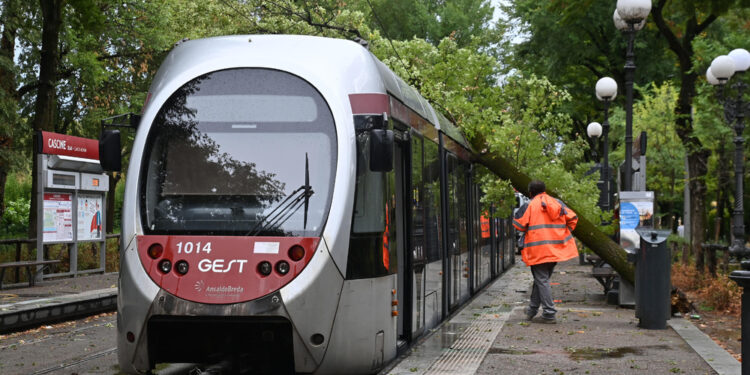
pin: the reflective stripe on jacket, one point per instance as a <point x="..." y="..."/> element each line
<point x="547" y="224"/>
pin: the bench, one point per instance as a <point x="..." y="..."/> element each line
<point x="595" y="260"/>
<point x="605" y="276"/>
<point x="30" y="266"/>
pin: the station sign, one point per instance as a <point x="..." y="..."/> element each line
<point x="68" y="145"/>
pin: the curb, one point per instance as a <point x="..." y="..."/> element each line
<point x="25" y="314"/>
<point x="716" y="357"/>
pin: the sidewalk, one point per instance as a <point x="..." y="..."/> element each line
<point x="53" y="300"/>
<point x="491" y="336"/>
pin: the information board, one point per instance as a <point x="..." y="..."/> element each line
<point x="89" y="217"/>
<point x="58" y="217"/>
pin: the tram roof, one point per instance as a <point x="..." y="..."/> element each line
<point x="412" y="99"/>
<point x="327" y="53"/>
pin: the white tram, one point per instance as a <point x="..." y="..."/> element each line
<point x="293" y="206"/>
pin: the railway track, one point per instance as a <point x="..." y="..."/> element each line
<point x="78" y="362"/>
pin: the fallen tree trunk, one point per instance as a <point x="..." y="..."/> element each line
<point x="585" y="231"/>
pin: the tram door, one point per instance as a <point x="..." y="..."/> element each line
<point x="408" y="165"/>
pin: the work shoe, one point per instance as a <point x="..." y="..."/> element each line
<point x="530" y="314"/>
<point x="544" y="320"/>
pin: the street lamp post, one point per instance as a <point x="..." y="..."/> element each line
<point x="629" y="17"/>
<point x="735" y="109"/>
<point x="594" y="130"/>
<point x="606" y="91"/>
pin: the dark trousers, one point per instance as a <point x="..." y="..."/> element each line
<point x="541" y="293"/>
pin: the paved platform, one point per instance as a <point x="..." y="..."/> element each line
<point x="23" y="307"/>
<point x="492" y="336"/>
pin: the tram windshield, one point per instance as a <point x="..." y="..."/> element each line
<point x="240" y="152"/>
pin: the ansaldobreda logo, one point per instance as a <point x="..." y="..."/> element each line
<point x="199" y="285"/>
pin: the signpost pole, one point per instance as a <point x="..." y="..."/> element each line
<point x="40" y="160"/>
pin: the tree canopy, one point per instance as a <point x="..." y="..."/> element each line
<point x="522" y="89"/>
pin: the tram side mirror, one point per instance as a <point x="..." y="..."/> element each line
<point x="381" y="150"/>
<point x="109" y="151"/>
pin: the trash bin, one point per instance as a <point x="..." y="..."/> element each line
<point x="653" y="279"/>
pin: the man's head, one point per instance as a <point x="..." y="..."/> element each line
<point x="536" y="187"/>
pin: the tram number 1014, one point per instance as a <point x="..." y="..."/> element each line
<point x="188" y="247"/>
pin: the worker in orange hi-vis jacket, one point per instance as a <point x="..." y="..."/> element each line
<point x="547" y="225"/>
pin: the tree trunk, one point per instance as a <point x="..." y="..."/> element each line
<point x="46" y="98"/>
<point x="697" y="164"/>
<point x="8" y="87"/>
<point x="585" y="231"/>
<point x="685" y="253"/>
<point x="681" y="43"/>
<point x="721" y="196"/>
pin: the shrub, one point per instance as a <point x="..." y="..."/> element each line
<point x="719" y="293"/>
<point x="15" y="220"/>
<point x="722" y="293"/>
<point x="686" y="278"/>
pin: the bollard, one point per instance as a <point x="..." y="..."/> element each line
<point x="742" y="278"/>
<point x="652" y="279"/>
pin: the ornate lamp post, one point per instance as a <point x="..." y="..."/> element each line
<point x="606" y="91"/>
<point x="735" y="109"/>
<point x="594" y="130"/>
<point x="630" y="16"/>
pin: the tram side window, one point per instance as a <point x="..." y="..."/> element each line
<point x="431" y="198"/>
<point x="417" y="199"/>
<point x="453" y="217"/>
<point x="370" y="242"/>
<point x="369" y="203"/>
<point x="458" y="171"/>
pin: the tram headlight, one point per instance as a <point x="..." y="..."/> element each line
<point x="296" y="253"/>
<point x="165" y="266"/>
<point x="155" y="251"/>
<point x="265" y="268"/>
<point x="282" y="267"/>
<point x="181" y="267"/>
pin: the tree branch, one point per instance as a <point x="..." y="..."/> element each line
<point x="707" y="22"/>
<point x="25" y="89"/>
<point x="307" y="18"/>
<point x="672" y="40"/>
<point x="593" y="69"/>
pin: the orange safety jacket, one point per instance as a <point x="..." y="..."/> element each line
<point x="547" y="224"/>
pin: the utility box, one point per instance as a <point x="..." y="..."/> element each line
<point x="653" y="279"/>
<point x="71" y="197"/>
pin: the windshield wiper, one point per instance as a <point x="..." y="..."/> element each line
<point x="287" y="207"/>
<point x="308" y="190"/>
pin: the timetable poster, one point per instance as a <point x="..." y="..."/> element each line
<point x="89" y="217"/>
<point x="58" y="217"/>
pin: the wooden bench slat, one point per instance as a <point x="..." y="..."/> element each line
<point x="24" y="263"/>
<point x="603" y="271"/>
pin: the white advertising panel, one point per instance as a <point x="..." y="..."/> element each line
<point x="633" y="215"/>
<point x="90" y="217"/>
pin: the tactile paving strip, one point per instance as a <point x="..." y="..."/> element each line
<point x="467" y="353"/>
